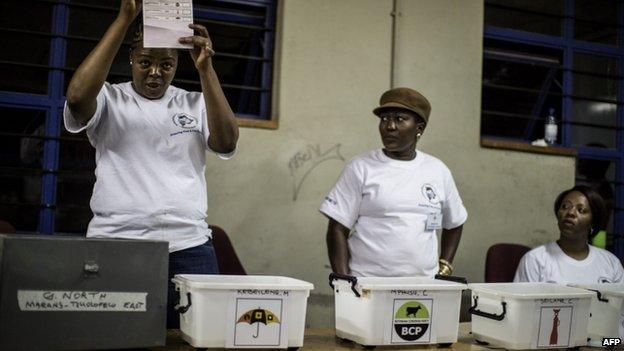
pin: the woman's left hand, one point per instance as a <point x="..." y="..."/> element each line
<point x="202" y="51"/>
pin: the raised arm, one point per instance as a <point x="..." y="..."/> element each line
<point x="91" y="74"/>
<point x="221" y="121"/>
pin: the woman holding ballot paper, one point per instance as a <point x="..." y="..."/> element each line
<point x="150" y="139"/>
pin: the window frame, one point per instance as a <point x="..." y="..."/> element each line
<point x="52" y="102"/>
<point x="569" y="45"/>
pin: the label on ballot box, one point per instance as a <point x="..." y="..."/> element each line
<point x="81" y="301"/>
<point x="412" y="321"/>
<point x="554" y="322"/>
<point x="410" y="318"/>
<point x="257" y="319"/>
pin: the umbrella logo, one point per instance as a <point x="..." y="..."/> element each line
<point x="258" y="316"/>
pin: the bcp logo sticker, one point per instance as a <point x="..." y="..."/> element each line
<point x="412" y="321"/>
<point x="611" y="342"/>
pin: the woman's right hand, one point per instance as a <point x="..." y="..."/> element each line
<point x="129" y="9"/>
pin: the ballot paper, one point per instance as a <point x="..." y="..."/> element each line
<point x="166" y="21"/>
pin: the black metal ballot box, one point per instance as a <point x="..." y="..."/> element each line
<point x="68" y="293"/>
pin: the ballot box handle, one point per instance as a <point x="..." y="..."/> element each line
<point x="351" y="279"/>
<point x="600" y="298"/>
<point x="452" y="278"/>
<point x="183" y="309"/>
<point x="497" y="317"/>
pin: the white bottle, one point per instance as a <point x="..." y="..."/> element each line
<point x="550" y="128"/>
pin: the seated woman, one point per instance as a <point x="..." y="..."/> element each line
<point x="388" y="203"/>
<point x="580" y="214"/>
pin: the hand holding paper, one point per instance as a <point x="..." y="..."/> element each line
<point x="202" y="47"/>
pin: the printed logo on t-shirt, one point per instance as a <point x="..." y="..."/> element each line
<point x="184" y="120"/>
<point x="603" y="280"/>
<point x="331" y="201"/>
<point x="430" y="193"/>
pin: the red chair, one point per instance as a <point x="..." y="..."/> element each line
<point x="502" y="261"/>
<point x="226" y="256"/>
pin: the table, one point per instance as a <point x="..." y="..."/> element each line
<point x="317" y="339"/>
<point x="324" y="339"/>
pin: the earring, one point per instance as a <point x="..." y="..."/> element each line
<point x="418" y="135"/>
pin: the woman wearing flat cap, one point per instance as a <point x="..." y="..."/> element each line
<point x="386" y="206"/>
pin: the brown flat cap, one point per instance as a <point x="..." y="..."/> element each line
<point x="405" y="98"/>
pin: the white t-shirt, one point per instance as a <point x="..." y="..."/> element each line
<point x="386" y="203"/>
<point x="150" y="164"/>
<point x="548" y="263"/>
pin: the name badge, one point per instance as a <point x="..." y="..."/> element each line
<point x="434" y="221"/>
